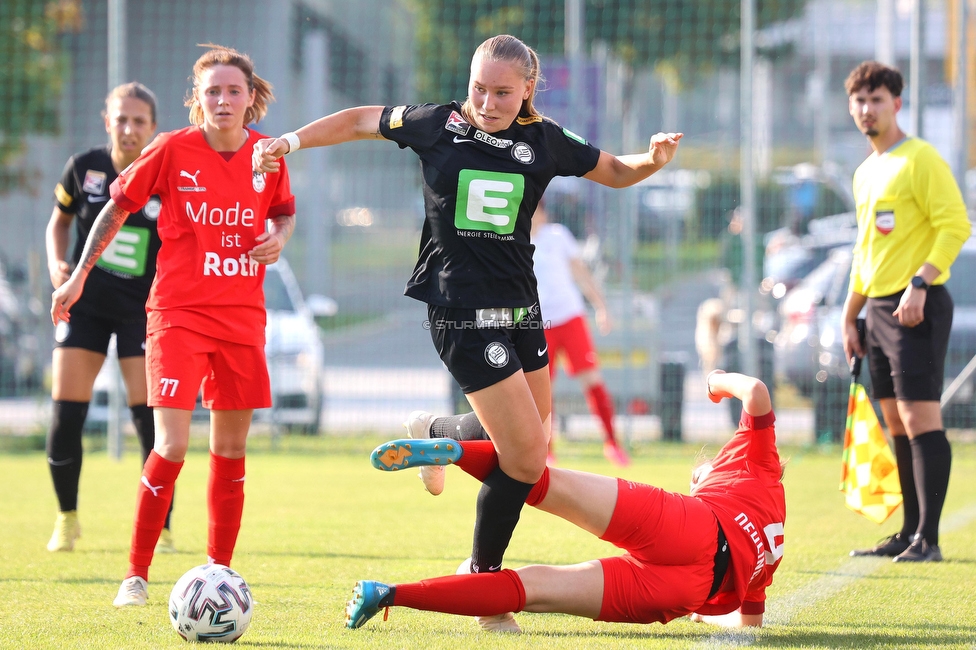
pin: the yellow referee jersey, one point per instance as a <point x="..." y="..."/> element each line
<point x="909" y="211"/>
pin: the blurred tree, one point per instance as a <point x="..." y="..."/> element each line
<point x="687" y="36"/>
<point x="31" y="76"/>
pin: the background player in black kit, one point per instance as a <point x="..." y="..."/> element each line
<point x="486" y="164"/>
<point x="114" y="299"/>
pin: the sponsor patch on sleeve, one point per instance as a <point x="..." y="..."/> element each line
<point x="396" y="117"/>
<point x="94" y="182"/>
<point x="62" y="195"/>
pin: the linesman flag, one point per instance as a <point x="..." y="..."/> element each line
<point x="869" y="476"/>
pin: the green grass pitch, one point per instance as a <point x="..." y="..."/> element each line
<point x="318" y="517"/>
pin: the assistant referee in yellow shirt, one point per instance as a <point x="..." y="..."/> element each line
<point x="911" y="223"/>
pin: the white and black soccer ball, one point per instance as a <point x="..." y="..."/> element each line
<point x="211" y="603"/>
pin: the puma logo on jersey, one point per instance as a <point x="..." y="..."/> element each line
<point x="193" y="177"/>
<point x="152" y="488"/>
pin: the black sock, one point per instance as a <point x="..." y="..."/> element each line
<point x="458" y="427"/>
<point x="906" y="477"/>
<point x="142" y="420"/>
<point x="387" y="600"/>
<point x="932" y="460"/>
<point x="64" y="450"/>
<point x="499" y="506"/>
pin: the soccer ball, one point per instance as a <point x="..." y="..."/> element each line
<point x="211" y="603"/>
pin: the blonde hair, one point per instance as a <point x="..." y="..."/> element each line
<point x="135" y="90"/>
<point x="512" y="50"/>
<point x="220" y="55"/>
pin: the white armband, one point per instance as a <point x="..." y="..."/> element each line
<point x="294" y="144"/>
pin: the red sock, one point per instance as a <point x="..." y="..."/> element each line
<point x="225" y="502"/>
<point x="479" y="458"/>
<point x="539" y="490"/>
<point x="152" y="503"/>
<point x="598" y="399"/>
<point x="478" y="594"/>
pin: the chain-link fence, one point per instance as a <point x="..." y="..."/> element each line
<point x="672" y="254"/>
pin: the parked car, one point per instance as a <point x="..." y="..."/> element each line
<point x="789" y="257"/>
<point x="293" y="349"/>
<point x="794" y="284"/>
<point x="818" y="296"/>
<point x="833" y="376"/>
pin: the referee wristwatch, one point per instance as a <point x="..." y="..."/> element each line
<point x="919" y="282"/>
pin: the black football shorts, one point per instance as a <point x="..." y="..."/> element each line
<point x="93" y="333"/>
<point x="481" y="347"/>
<point x="908" y="363"/>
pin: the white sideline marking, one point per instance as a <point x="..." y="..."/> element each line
<point x="782" y="609"/>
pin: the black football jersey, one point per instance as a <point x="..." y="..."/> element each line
<point x="480" y="191"/>
<point x="119" y="283"/>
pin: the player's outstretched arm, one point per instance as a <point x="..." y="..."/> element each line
<point x="752" y="392"/>
<point x="359" y="123"/>
<point x="731" y="620"/>
<point x="624" y="171"/>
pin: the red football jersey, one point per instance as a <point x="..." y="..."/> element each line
<point x="213" y="209"/>
<point x="746" y="494"/>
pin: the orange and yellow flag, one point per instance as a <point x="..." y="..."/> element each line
<point x="869" y="476"/>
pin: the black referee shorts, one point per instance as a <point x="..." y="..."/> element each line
<point x="480" y="354"/>
<point x="908" y="363"/>
<point x="93" y="333"/>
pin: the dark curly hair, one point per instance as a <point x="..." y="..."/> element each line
<point x="873" y="75"/>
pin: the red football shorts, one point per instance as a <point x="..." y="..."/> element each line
<point x="668" y="569"/>
<point x="180" y="361"/>
<point x="571" y="339"/>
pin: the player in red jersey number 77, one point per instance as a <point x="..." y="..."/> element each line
<point x="710" y="555"/>
<point x="206" y="313"/>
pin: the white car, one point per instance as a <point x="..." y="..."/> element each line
<point x="293" y="349"/>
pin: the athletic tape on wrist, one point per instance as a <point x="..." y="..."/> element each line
<point x="294" y="144"/>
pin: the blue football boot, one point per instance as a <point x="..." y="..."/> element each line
<point x="401" y="454"/>
<point x="365" y="602"/>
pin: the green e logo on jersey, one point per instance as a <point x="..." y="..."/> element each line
<point x="127" y="252"/>
<point x="488" y="201"/>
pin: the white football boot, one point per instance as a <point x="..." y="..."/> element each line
<point x="132" y="591"/>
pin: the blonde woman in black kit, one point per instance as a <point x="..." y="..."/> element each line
<point x="486" y="163"/>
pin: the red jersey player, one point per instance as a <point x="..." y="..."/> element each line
<point x="206" y="313"/>
<point x="710" y="555"/>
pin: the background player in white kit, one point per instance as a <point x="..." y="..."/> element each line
<point x="563" y="279"/>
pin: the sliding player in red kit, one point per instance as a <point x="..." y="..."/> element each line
<point x="206" y="314"/>
<point x="710" y="555"/>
